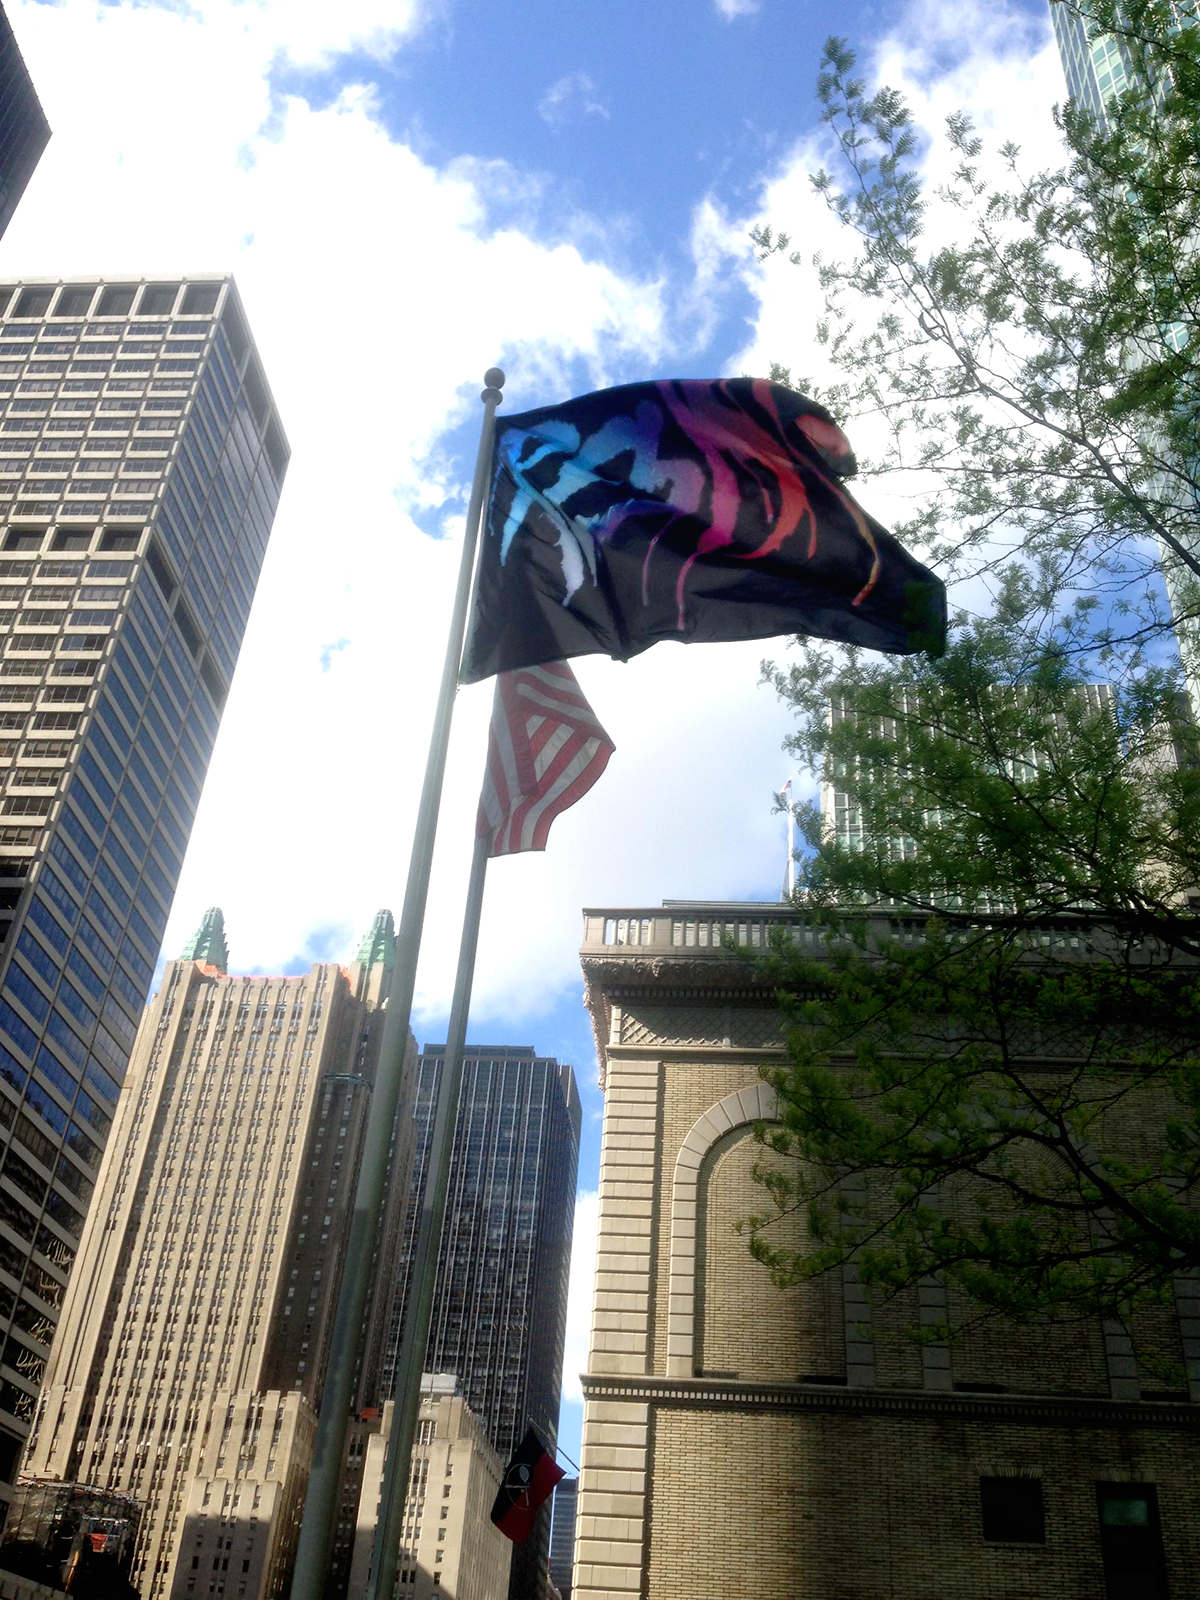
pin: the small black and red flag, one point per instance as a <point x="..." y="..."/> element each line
<point x="528" y="1480"/>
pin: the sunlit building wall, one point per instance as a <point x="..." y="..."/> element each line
<point x="190" y="1358"/>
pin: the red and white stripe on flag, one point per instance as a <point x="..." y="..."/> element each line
<point x="545" y="751"/>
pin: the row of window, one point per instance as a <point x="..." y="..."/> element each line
<point x="13" y="332"/>
<point x="111" y="300"/>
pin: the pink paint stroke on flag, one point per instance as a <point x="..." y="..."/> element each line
<point x="545" y="751"/>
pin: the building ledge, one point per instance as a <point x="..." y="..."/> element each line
<point x="720" y="1394"/>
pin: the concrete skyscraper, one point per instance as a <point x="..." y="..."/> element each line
<point x="195" y="1330"/>
<point x="500" y="1303"/>
<point x="24" y="131"/>
<point x="140" y="464"/>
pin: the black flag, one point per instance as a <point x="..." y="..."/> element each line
<point x="685" y="510"/>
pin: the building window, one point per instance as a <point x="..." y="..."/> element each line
<point x="1013" y="1512"/>
<point x="1131" y="1541"/>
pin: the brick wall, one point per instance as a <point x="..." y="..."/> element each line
<point x="862" y="1507"/>
<point x="745" y="1325"/>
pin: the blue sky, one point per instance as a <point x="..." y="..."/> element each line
<point x="407" y="191"/>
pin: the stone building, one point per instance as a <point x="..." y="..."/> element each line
<point x="190" y="1357"/>
<point x="450" y="1545"/>
<point x="800" y="1445"/>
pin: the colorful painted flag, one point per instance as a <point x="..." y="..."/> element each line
<point x="685" y="510"/>
<point x="528" y="1480"/>
<point x="545" y="751"/>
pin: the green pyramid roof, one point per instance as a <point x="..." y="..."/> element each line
<point x="207" y="944"/>
<point x="379" y="945"/>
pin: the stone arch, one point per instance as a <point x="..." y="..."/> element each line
<point x="757" y="1103"/>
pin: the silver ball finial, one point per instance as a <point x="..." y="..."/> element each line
<point x="494" y="378"/>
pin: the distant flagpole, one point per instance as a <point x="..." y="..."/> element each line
<point x="345" y="1353"/>
<point x="406" y="1392"/>
<point x="545" y="751"/>
<point x="790" y="875"/>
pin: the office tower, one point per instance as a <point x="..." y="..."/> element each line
<point x="24" y="131"/>
<point x="451" y="1545"/>
<point x="195" y="1328"/>
<point x="1098" y="67"/>
<point x="140" y="464"/>
<point x="797" y="1443"/>
<point x="562" y="1535"/>
<point x="842" y="821"/>
<point x="500" y="1302"/>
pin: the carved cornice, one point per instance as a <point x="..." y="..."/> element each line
<point x="699" y="1053"/>
<point x="1037" y="1410"/>
<point x="675" y="971"/>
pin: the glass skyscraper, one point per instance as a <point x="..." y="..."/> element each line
<point x="500" y="1305"/>
<point x="24" y="131"/>
<point x="140" y="464"/>
<point x="1098" y="67"/>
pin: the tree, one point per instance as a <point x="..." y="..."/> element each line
<point x="994" y="1067"/>
<point x="1042" y="370"/>
<point x="1007" y="1001"/>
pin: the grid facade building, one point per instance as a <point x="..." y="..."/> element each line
<point x="562" y="1535"/>
<point x="499" y="1309"/>
<point x="500" y="1300"/>
<point x="191" y="1353"/>
<point x="24" y="131"/>
<point x="1098" y="67"/>
<point x="140" y="465"/>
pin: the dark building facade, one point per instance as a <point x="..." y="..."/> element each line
<point x="141" y="460"/>
<point x="500" y="1304"/>
<point x="24" y="131"/>
<point x="562" y="1535"/>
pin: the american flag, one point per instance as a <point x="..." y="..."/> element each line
<point x="545" y="751"/>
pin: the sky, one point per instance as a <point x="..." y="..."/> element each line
<point x="408" y="192"/>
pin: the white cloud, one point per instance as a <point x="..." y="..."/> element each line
<point x="579" y="1294"/>
<point x="998" y="63"/>
<point x="378" y="290"/>
<point x="730" y="9"/>
<point x="571" y="94"/>
<point x="379" y="286"/>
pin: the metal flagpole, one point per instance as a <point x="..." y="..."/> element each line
<point x="406" y="1392"/>
<point x="345" y="1353"/>
<point x="791" y="879"/>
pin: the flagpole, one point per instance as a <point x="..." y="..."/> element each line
<point x="406" y="1392"/>
<point x="791" y="877"/>
<point x="345" y="1353"/>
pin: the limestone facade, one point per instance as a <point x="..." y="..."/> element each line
<point x="189" y="1362"/>
<point x="800" y="1445"/>
<point x="450" y="1547"/>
